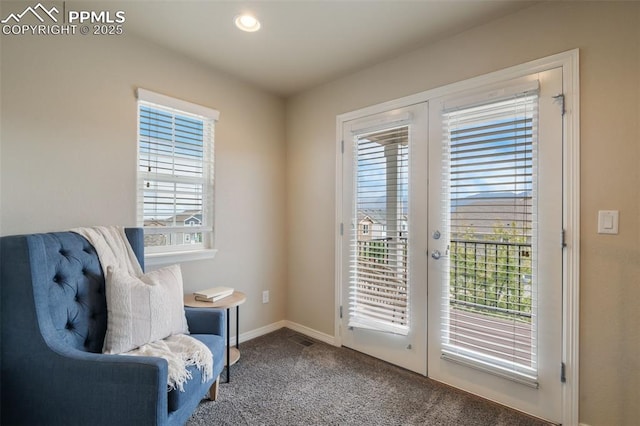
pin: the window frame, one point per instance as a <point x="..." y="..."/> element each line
<point x="179" y="252"/>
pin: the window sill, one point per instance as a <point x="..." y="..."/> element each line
<point x="159" y="259"/>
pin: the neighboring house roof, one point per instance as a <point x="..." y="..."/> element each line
<point x="184" y="217"/>
<point x="194" y="218"/>
<point x="155" y="222"/>
<point x="375" y="216"/>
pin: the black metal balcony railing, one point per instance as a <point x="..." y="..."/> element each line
<point x="489" y="293"/>
<point x="490" y="299"/>
<point x="381" y="281"/>
<point x="492" y="278"/>
<point x="485" y="276"/>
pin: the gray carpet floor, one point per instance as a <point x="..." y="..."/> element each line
<point x="284" y="378"/>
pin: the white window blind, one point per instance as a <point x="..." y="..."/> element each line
<point x="175" y="173"/>
<point x="490" y="187"/>
<point x="378" y="259"/>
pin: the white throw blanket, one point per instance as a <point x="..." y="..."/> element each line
<point x="112" y="247"/>
<point x="181" y="351"/>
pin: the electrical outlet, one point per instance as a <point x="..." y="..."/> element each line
<point x="265" y="296"/>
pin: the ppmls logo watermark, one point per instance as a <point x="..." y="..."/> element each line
<point x="57" y="20"/>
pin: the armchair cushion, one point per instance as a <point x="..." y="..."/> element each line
<point x="143" y="309"/>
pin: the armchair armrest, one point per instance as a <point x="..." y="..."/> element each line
<point x="206" y="320"/>
<point x="125" y="389"/>
<point x="93" y="388"/>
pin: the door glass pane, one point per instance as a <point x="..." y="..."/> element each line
<point x="490" y="193"/>
<point x="378" y="251"/>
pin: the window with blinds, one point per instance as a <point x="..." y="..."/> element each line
<point x="378" y="286"/>
<point x="175" y="173"/>
<point x="490" y="188"/>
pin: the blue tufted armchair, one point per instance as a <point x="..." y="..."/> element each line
<point x="54" y="320"/>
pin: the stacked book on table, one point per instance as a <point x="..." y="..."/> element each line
<point x="213" y="294"/>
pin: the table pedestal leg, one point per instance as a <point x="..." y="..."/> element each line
<point x="228" y="348"/>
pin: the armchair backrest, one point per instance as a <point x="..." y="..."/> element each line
<point x="67" y="288"/>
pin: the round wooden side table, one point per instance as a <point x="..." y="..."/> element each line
<point x="235" y="300"/>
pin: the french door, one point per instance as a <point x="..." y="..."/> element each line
<point x="384" y="287"/>
<point x="495" y="243"/>
<point x="451" y="245"/>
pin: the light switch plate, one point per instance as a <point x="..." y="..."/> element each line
<point x="608" y="221"/>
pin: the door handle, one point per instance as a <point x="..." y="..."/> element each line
<point x="436" y="254"/>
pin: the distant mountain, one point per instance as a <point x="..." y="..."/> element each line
<point x="490" y="195"/>
<point x="380" y="203"/>
<point x="501" y="195"/>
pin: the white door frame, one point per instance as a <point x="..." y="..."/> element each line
<point x="569" y="61"/>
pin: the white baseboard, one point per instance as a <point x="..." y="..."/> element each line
<point x="252" y="334"/>
<point x="309" y="332"/>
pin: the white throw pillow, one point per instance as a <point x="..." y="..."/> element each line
<point x="143" y="309"/>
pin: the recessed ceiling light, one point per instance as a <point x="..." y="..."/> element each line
<point x="247" y="23"/>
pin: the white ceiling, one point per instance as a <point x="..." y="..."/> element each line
<point x="303" y="43"/>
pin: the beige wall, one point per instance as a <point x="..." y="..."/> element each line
<point x="68" y="136"/>
<point x="608" y="36"/>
